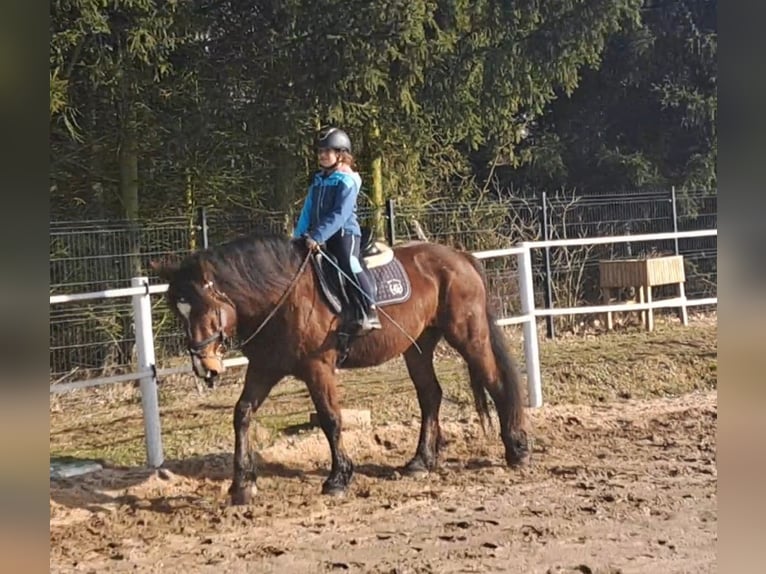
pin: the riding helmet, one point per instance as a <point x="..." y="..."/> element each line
<point x="334" y="138"/>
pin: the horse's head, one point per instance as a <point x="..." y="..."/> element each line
<point x="208" y="315"/>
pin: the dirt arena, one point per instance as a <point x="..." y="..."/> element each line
<point x="625" y="484"/>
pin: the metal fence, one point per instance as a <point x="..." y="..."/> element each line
<point x="95" y="338"/>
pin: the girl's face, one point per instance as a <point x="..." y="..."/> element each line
<point x="327" y="157"/>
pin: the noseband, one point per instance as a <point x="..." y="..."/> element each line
<point x="195" y="348"/>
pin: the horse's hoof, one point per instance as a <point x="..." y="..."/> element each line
<point x="335" y="490"/>
<point x="416" y="469"/>
<point x="518" y="451"/>
<point x="243" y="495"/>
<point x="517" y="460"/>
<point x="518" y="464"/>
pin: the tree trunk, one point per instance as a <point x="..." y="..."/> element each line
<point x="378" y="227"/>
<point x="98" y="200"/>
<point x="285" y="181"/>
<point x="129" y="166"/>
<point x="191" y="212"/>
<point x="128" y="158"/>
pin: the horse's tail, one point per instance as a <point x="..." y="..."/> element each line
<point x="509" y="374"/>
<point x="510" y="377"/>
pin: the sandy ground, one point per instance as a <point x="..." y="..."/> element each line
<point x="621" y="487"/>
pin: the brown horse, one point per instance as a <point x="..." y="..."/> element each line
<point x="262" y="289"/>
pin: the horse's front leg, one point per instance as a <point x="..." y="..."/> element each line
<point x="321" y="382"/>
<point x="258" y="385"/>
<point x="421" y="369"/>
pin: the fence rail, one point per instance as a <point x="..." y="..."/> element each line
<point x="148" y="373"/>
<point x="108" y="293"/>
<point x="96" y="338"/>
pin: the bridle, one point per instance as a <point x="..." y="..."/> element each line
<point x="196" y="348"/>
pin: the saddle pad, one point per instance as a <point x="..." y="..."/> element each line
<point x="391" y="282"/>
<point x="392" y="285"/>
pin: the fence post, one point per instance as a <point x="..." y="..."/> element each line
<point x="549" y="322"/>
<point x="684" y="313"/>
<point x="531" y="349"/>
<point x="202" y="225"/>
<point x="142" y="317"/>
<point x="390" y="222"/>
<point x="675" y="216"/>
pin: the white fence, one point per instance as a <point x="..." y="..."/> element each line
<point x="148" y="373"/>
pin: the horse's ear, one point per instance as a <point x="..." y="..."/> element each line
<point x="164" y="268"/>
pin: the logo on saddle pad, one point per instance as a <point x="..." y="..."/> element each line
<point x="395" y="287"/>
<point x="392" y="284"/>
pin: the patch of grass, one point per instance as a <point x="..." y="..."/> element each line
<point x="670" y="361"/>
<point x="107" y="425"/>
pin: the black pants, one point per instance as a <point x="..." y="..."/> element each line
<point x="346" y="248"/>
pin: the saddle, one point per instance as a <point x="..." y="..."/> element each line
<point x="386" y="273"/>
<point x="374" y="252"/>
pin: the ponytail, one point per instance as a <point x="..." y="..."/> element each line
<point x="348" y="159"/>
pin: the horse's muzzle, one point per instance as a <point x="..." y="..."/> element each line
<point x="207" y="367"/>
<point x="210" y="379"/>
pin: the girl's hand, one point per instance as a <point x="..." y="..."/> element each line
<point x="312" y="245"/>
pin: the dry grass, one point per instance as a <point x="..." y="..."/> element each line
<point x="106" y="424"/>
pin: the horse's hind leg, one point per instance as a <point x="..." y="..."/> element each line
<point x="421" y="370"/>
<point x="491" y="367"/>
<point x="258" y="385"/>
<point x="321" y="384"/>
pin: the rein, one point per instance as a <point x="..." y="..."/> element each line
<point x="280" y="302"/>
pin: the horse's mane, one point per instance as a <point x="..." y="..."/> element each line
<point x="257" y="264"/>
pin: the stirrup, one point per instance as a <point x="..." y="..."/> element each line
<point x="343" y="348"/>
